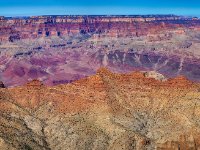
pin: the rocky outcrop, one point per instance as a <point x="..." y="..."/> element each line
<point x="103" y="111"/>
<point x="155" y="75"/>
<point x="2" y="85"/>
<point x="34" y="83"/>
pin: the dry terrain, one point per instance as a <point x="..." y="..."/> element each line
<point x="137" y="110"/>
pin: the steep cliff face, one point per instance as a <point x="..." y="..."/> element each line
<point x="103" y="111"/>
<point x="61" y="49"/>
<point x="13" y="29"/>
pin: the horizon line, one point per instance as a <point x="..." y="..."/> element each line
<point x="131" y="15"/>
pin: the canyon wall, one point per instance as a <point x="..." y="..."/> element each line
<point x="117" y="26"/>
<point x="61" y="49"/>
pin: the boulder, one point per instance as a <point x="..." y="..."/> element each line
<point x="2" y="85"/>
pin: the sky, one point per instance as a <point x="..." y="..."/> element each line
<point x="98" y="7"/>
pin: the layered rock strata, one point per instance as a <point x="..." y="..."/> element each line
<point x="61" y="49"/>
<point x="103" y="111"/>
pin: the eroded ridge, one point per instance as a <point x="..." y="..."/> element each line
<point x="103" y="111"/>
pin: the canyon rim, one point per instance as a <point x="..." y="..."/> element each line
<point x="99" y="75"/>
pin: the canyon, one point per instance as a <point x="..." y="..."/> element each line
<point x="132" y="111"/>
<point x="100" y="82"/>
<point x="62" y="49"/>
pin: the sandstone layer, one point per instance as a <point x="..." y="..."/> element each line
<point x="104" y="111"/>
<point x="61" y="49"/>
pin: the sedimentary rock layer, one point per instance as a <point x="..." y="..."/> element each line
<point x="103" y="111"/>
<point x="34" y="27"/>
<point x="61" y="49"/>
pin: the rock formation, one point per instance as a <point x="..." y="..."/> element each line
<point x="61" y="49"/>
<point x="2" y="85"/>
<point x="13" y="29"/>
<point x="103" y="111"/>
<point x="155" y="75"/>
<point x="34" y="83"/>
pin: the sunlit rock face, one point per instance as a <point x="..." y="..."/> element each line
<point x="155" y="75"/>
<point x="105" y="111"/>
<point x="61" y="49"/>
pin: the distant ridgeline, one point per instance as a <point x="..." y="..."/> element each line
<point x="16" y="28"/>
